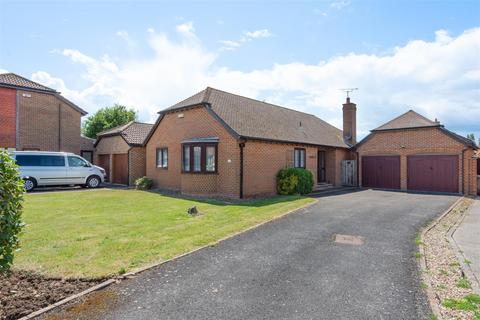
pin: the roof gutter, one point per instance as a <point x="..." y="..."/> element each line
<point x="292" y="142"/>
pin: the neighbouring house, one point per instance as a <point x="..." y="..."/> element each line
<point x="35" y="117"/>
<point x="121" y="153"/>
<point x="216" y="143"/>
<point x="412" y="152"/>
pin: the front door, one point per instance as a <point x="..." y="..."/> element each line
<point x="321" y="173"/>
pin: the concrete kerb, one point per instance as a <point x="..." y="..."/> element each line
<point x="431" y="296"/>
<point x="140" y="270"/>
<point x="466" y="268"/>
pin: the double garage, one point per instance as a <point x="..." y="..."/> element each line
<point x="439" y="173"/>
<point x="413" y="153"/>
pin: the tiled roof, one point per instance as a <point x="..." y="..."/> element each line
<point x="134" y="133"/>
<point x="14" y="80"/>
<point x="409" y="119"/>
<point x="251" y="118"/>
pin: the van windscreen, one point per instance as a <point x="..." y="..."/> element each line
<point x="29" y="160"/>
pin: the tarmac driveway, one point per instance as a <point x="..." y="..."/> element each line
<point x="291" y="268"/>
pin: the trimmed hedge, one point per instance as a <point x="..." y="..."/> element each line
<point x="11" y="200"/>
<point x="294" y="181"/>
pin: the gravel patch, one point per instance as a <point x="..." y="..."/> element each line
<point x="444" y="274"/>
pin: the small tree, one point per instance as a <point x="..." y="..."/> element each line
<point x="107" y="118"/>
<point x="11" y="205"/>
<point x="471" y="136"/>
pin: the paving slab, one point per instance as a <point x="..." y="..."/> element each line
<point x="467" y="237"/>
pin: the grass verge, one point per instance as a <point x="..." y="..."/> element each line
<point x="104" y="232"/>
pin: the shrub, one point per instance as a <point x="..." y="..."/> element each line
<point x="11" y="205"/>
<point x="287" y="185"/>
<point x="294" y="180"/>
<point x="143" y="183"/>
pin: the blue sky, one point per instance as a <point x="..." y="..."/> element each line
<point x="423" y="55"/>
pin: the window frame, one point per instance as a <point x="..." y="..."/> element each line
<point x="300" y="150"/>
<point x="162" y="152"/>
<point x="203" y="157"/>
<point x="87" y="165"/>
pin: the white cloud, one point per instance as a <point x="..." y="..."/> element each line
<point x="3" y="70"/>
<point x="229" y="44"/>
<point x="339" y="4"/>
<point x="186" y="29"/>
<point x="263" y="33"/>
<point x="123" y="34"/>
<point x="151" y="30"/>
<point x="246" y="37"/>
<point x="439" y="78"/>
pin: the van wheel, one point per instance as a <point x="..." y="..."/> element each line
<point x="93" y="182"/>
<point x="29" y="184"/>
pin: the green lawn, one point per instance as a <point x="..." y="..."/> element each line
<point x="104" y="232"/>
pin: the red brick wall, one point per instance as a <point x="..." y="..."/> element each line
<point x="196" y="123"/>
<point x="420" y="141"/>
<point x="136" y="164"/>
<point x="47" y="123"/>
<point x="262" y="160"/>
<point x="8" y="98"/>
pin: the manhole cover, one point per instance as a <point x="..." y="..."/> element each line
<point x="348" y="239"/>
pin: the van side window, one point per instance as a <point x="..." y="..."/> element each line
<point x="76" y="162"/>
<point x="40" y="161"/>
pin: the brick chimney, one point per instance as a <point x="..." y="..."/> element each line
<point x="350" y="122"/>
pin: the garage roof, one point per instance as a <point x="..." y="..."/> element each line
<point x="412" y="120"/>
<point x="134" y="133"/>
<point x="409" y="119"/>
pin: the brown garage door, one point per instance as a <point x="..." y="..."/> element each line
<point x="381" y="172"/>
<point x="433" y="173"/>
<point x="120" y="168"/>
<point x="104" y="162"/>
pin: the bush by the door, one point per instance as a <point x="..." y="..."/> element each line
<point x="11" y="200"/>
<point x="294" y="181"/>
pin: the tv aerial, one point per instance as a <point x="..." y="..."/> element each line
<point x="348" y="90"/>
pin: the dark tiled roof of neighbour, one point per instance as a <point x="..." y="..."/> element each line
<point x="133" y="132"/>
<point x="251" y="118"/>
<point x="14" y="80"/>
<point x="409" y="119"/>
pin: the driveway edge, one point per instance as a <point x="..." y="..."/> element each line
<point x="467" y="269"/>
<point x="68" y="299"/>
<point x="432" y="299"/>
<point x="140" y="270"/>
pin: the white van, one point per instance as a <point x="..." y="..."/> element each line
<point x="39" y="168"/>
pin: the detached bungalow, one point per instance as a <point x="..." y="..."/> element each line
<point x="121" y="153"/>
<point x="220" y="144"/>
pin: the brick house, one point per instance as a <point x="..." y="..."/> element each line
<point x="412" y="152"/>
<point x="121" y="153"/>
<point x="220" y="144"/>
<point x="35" y="117"/>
